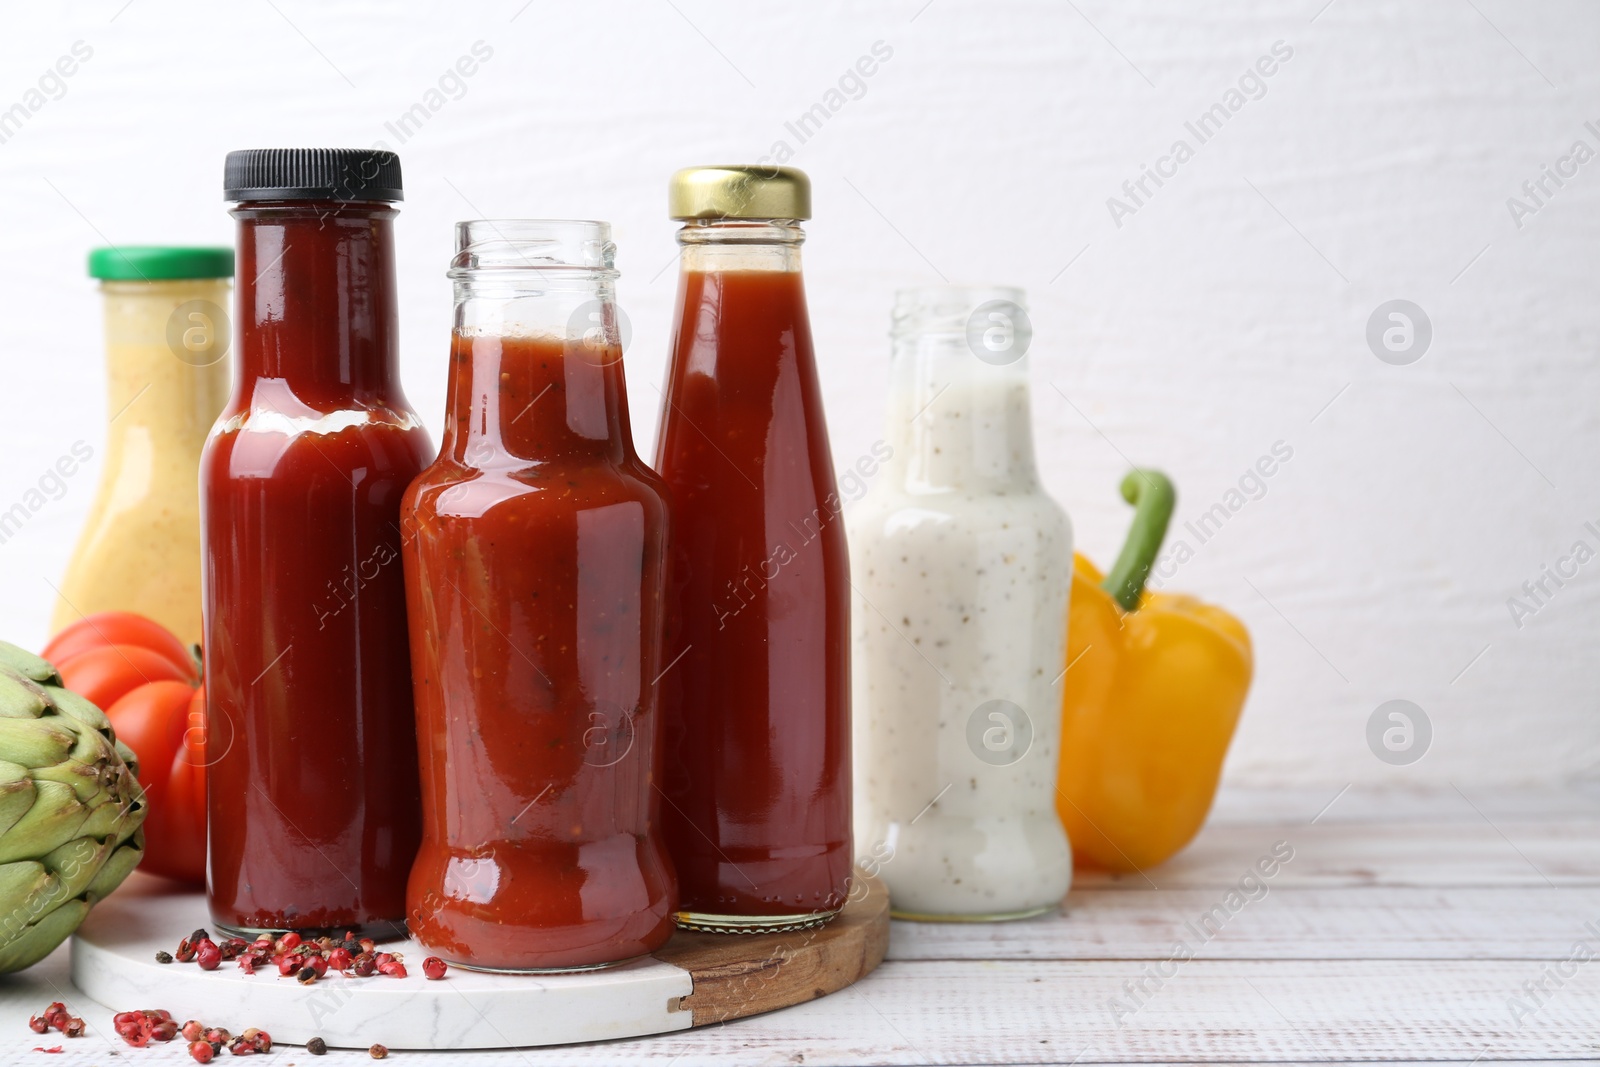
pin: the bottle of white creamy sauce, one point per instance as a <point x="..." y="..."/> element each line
<point x="961" y="565"/>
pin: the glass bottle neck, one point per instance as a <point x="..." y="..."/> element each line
<point x="956" y="422"/>
<point x="317" y="309"/>
<point x="536" y="371"/>
<point x="711" y="245"/>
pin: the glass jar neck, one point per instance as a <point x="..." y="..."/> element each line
<point x="536" y="357"/>
<point x="957" y="422"/>
<point x="708" y="245"/>
<point x="317" y="308"/>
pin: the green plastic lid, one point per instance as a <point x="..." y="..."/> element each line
<point x="158" y="263"/>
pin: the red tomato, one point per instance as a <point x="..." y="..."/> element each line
<point x="104" y="675"/>
<point x="119" y="628"/>
<point x="147" y="683"/>
<point x="164" y="722"/>
<point x="186" y="797"/>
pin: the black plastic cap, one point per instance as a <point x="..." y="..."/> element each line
<point x="358" y="174"/>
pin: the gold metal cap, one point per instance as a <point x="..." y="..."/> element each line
<point x="739" y="192"/>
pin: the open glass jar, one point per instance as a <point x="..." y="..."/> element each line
<point x="534" y="551"/>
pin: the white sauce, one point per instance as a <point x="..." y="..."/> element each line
<point x="961" y="565"/>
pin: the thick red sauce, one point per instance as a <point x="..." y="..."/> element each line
<point x="534" y="552"/>
<point x="757" y="710"/>
<point x="313" y="812"/>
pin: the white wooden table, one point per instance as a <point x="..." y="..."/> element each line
<point x="1404" y="928"/>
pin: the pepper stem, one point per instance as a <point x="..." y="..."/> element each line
<point x="1153" y="498"/>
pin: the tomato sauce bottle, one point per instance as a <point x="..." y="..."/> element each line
<point x="312" y="788"/>
<point x="534" y="559"/>
<point x="756" y="698"/>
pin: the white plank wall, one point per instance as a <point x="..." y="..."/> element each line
<point x="1403" y="930"/>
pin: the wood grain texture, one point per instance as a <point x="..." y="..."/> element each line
<point x="1372" y="922"/>
<point x="1055" y="1012"/>
<point x="1463" y="802"/>
<point x="740" y="975"/>
<point x="1404" y="851"/>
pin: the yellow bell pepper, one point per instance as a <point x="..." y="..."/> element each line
<point x="1153" y="690"/>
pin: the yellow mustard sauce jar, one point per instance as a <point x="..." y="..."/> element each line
<point x="167" y="367"/>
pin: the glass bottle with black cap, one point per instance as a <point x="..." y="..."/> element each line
<point x="314" y="815"/>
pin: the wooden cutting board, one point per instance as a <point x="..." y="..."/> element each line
<point x="745" y="974"/>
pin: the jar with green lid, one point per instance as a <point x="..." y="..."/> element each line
<point x="167" y="370"/>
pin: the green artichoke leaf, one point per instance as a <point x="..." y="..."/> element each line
<point x="75" y="706"/>
<point x="89" y="781"/>
<point x="118" y="866"/>
<point x="16" y="796"/>
<point x="55" y="817"/>
<point x="93" y="769"/>
<point x="22" y="881"/>
<point x="27" y="664"/>
<point x="129" y="757"/>
<point x="116" y="817"/>
<point x="21" y="698"/>
<point x="76" y="863"/>
<point x="33" y="943"/>
<point x="37" y="743"/>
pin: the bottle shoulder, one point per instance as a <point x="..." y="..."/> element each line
<point x="354" y="445"/>
<point x="895" y="507"/>
<point x="450" y="488"/>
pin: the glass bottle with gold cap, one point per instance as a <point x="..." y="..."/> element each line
<point x="166" y="334"/>
<point x="756" y="697"/>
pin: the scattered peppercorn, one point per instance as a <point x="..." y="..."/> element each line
<point x="378" y="1052"/>
<point x="138" y="1028"/>
<point x="295" y="954"/>
<point x="317" y="1047"/>
<point x="207" y="955"/>
<point x="56" y="1015"/>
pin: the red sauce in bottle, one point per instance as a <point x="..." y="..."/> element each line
<point x="313" y="809"/>
<point x="534" y="562"/>
<point x="757" y="710"/>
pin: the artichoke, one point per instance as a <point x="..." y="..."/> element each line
<point x="70" y="809"/>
